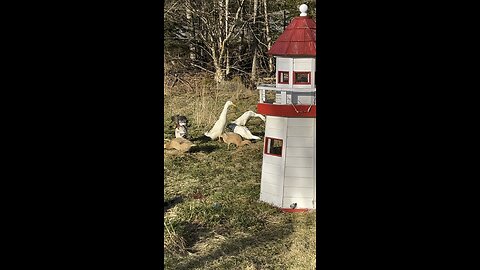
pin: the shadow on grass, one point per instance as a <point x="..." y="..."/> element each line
<point x="203" y="148"/>
<point x="259" y="134"/>
<point x="273" y="234"/>
<point x="192" y="232"/>
<point x="201" y="138"/>
<point x="171" y="203"/>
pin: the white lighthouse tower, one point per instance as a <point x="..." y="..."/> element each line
<point x="288" y="169"/>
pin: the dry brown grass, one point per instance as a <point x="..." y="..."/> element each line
<point x="213" y="218"/>
<point x="204" y="101"/>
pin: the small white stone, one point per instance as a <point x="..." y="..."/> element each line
<point x="303" y="10"/>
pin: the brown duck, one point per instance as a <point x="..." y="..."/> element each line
<point x="234" y="138"/>
<point x="180" y="144"/>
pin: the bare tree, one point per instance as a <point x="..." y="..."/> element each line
<point x="253" y="76"/>
<point x="191" y="30"/>
<point x="219" y="31"/>
<point x="210" y="35"/>
<point x="271" y="68"/>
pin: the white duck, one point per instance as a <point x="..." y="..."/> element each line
<point x="219" y="126"/>
<point x="242" y="131"/>
<point x="242" y="120"/>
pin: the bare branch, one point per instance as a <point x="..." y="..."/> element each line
<point x="202" y="68"/>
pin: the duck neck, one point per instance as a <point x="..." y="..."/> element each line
<point x="224" y="112"/>
<point x="242" y="120"/>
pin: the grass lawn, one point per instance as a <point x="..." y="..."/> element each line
<point x="212" y="216"/>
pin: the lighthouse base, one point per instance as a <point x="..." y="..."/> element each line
<point x="288" y="168"/>
<point x="299" y="210"/>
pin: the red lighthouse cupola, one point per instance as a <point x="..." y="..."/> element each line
<point x="298" y="39"/>
<point x="289" y="106"/>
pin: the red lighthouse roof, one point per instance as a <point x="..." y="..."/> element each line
<point x="298" y="39"/>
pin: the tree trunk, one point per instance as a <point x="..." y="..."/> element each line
<point x="226" y="16"/>
<point x="227" y="64"/>
<point x="271" y="68"/>
<point x="217" y="63"/>
<point x="253" y="76"/>
<point x="219" y="75"/>
<point x="191" y="31"/>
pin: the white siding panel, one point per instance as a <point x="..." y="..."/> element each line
<point x="275" y="190"/>
<point x="270" y="160"/>
<point x="273" y="179"/>
<point x="306" y="182"/>
<point x="299" y="162"/>
<point x="275" y="122"/>
<point x="299" y="142"/>
<point x="271" y="168"/>
<point x="296" y="192"/>
<point x="300" y="132"/>
<point x="283" y="64"/>
<point x="300" y="122"/>
<point x="306" y="152"/>
<point x="302" y="65"/>
<point x="298" y="172"/>
<point x="274" y="133"/>
<point x="272" y="199"/>
<point x="301" y="202"/>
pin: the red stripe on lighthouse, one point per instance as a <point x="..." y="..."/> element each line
<point x="287" y="110"/>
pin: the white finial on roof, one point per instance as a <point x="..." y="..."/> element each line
<point x="303" y="10"/>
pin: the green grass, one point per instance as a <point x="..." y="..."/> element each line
<point x="213" y="218"/>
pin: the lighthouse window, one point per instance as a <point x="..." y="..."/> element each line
<point x="283" y="77"/>
<point x="301" y="77"/>
<point x="273" y="146"/>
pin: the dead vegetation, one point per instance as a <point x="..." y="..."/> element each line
<point x="212" y="216"/>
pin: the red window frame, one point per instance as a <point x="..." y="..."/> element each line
<point x="309" y="76"/>
<point x="280" y="73"/>
<point x="270" y="139"/>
